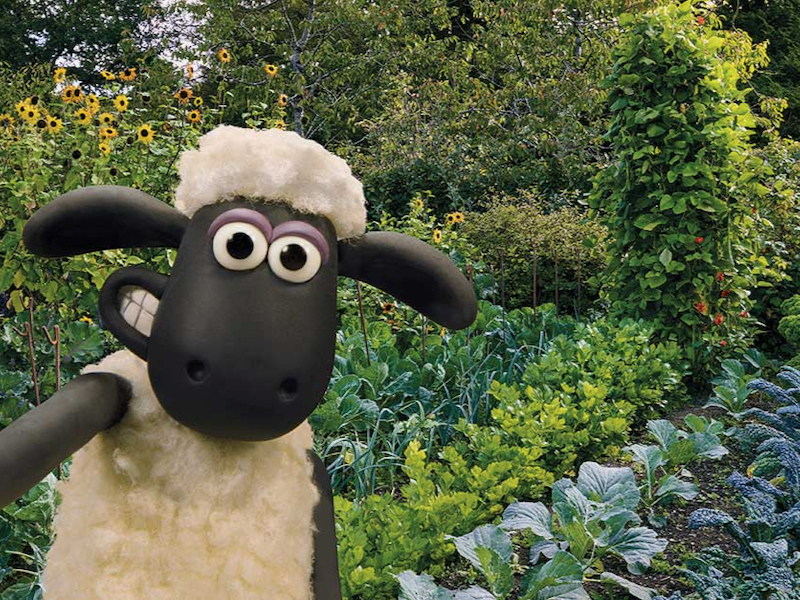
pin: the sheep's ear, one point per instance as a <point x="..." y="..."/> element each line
<point x="100" y="218"/>
<point x="414" y="273"/>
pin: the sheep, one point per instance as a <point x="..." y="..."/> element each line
<point x="194" y="474"/>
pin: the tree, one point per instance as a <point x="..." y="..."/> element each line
<point x="84" y="34"/>
<point x="777" y="21"/>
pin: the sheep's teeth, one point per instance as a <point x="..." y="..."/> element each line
<point x="138" y="307"/>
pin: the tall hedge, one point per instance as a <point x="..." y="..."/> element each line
<point x="681" y="193"/>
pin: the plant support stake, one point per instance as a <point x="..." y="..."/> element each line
<point x="363" y="322"/>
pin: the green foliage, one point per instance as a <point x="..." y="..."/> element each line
<point x="778" y="24"/>
<point x="664" y="464"/>
<point x="578" y="399"/>
<point x="512" y="227"/>
<point x="590" y="521"/>
<point x="682" y="190"/>
<point x="25" y="536"/>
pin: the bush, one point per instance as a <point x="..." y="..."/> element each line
<point x="683" y="191"/>
<point x="512" y="225"/>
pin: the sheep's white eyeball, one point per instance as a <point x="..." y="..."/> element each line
<point x="239" y="246"/>
<point x="294" y="258"/>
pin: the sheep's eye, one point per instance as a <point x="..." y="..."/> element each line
<point x="294" y="258"/>
<point x="239" y="246"/>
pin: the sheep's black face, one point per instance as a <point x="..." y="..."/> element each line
<point x="242" y="344"/>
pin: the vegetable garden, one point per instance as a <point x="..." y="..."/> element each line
<point x="621" y="420"/>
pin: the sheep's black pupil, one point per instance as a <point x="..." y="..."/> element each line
<point x="240" y="245"/>
<point x="293" y="257"/>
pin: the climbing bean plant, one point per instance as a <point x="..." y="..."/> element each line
<point x="681" y="194"/>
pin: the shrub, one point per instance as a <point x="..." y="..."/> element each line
<point x="683" y="191"/>
<point x="512" y="225"/>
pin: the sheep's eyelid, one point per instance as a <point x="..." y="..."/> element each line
<point x="305" y="231"/>
<point x="242" y="215"/>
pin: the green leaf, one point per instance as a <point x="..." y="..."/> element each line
<point x="665" y="257"/>
<point x="560" y="578"/>
<point x="420" y="587"/>
<point x="636" y="546"/>
<point x="486" y="536"/>
<point x="635" y="590"/>
<point x="528" y="515"/>
<point x="614" y="485"/>
<point x="649" y="221"/>
<point x="497" y="572"/>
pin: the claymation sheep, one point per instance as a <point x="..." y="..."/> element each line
<point x="202" y="482"/>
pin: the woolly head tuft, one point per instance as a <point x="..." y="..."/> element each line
<point x="271" y="165"/>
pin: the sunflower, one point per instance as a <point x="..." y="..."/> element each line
<point x="108" y="132"/>
<point x="417" y="203"/>
<point x="198" y="101"/>
<point x="458" y="217"/>
<point x="166" y="126"/>
<point x="128" y="74"/>
<point x="121" y="103"/>
<point x="449" y="219"/>
<point x="283" y="99"/>
<point x="71" y="93"/>
<point x="437" y="236"/>
<point x="108" y="75"/>
<point x="183" y="95"/>
<point x="21" y="107"/>
<point x="92" y="103"/>
<point x="31" y="115"/>
<point x="83" y="116"/>
<point x="32" y="100"/>
<point x="6" y="121"/>
<point x="41" y="124"/>
<point x="189" y="72"/>
<point x="194" y="116"/>
<point x="59" y="75"/>
<point x="76" y="154"/>
<point x="104" y="148"/>
<point x="144" y="134"/>
<point x="107" y="119"/>
<point x="280" y="124"/>
<point x="224" y="55"/>
<point x="54" y="124"/>
<point x="270" y="70"/>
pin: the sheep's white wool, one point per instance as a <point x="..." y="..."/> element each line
<point x="271" y="165"/>
<point x="155" y="510"/>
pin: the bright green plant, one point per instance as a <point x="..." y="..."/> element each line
<point x="659" y="488"/>
<point x="683" y="190"/>
<point x="589" y="521"/>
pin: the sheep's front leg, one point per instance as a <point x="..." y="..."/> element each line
<point x="326" y="563"/>
<point x="39" y="440"/>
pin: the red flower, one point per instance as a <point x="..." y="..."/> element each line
<point x="725" y="293"/>
<point x="744" y="313"/>
<point x="718" y="319"/>
<point x="723" y="343"/>
<point x="754" y="210"/>
<point x="720" y="276"/>
<point x="701" y="308"/>
<point x="699" y="239"/>
<point x="701" y="20"/>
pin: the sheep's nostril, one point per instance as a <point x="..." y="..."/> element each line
<point x="196" y="370"/>
<point x="288" y="389"/>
